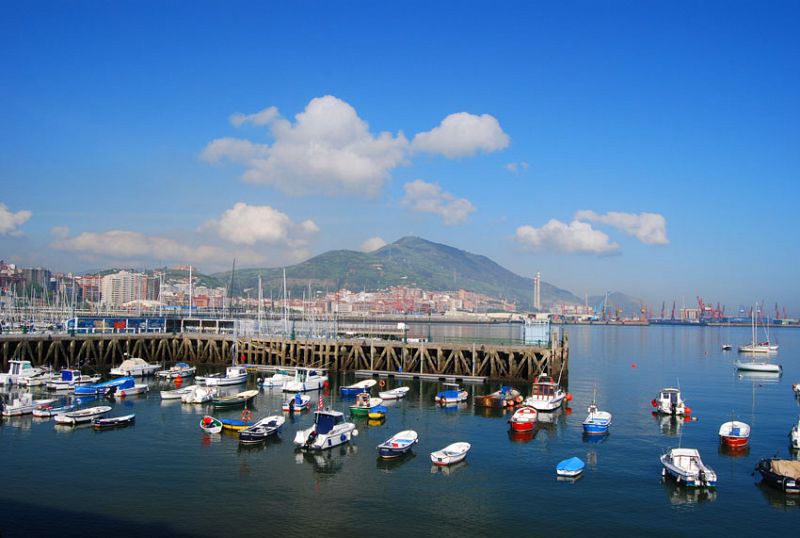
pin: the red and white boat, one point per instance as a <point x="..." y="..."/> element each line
<point x="524" y="419"/>
<point x="734" y="434"/>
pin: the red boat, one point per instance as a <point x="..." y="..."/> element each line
<point x="524" y="419"/>
<point x="734" y="433"/>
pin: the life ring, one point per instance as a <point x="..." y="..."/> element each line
<point x="247" y="415"/>
<point x="381" y="383"/>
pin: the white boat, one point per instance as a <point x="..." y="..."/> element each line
<point x="83" y="415"/>
<point x="570" y="468"/>
<point x="297" y="403"/>
<point x="596" y="422"/>
<point x="137" y="388"/>
<point x="397" y="445"/>
<point x="199" y="395"/>
<point x="669" y="402"/>
<point x="357" y="388"/>
<point x="135" y="367"/>
<point x="18" y="369"/>
<point x="686" y="467"/>
<point x="24" y="404"/>
<point x="233" y="376"/>
<point x="328" y="431"/>
<point x="453" y="393"/>
<point x="394" y="394"/>
<point x="50" y="410"/>
<point x="450" y="454"/>
<point x="546" y="395"/>
<point x="794" y="435"/>
<point x="755" y="346"/>
<point x="179" y="371"/>
<point x="306" y="379"/>
<point x="796" y="389"/>
<point x="70" y="379"/>
<point x="277" y="380"/>
<point x="37" y="380"/>
<point x="734" y="434"/>
<point x="758" y="366"/>
<point x="176" y="394"/>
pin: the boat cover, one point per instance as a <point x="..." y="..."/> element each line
<point x="378" y="409"/>
<point x="572" y="464"/>
<point x="786" y="468"/>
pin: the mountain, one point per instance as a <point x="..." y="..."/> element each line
<point x="410" y="261"/>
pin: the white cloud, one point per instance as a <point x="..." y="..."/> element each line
<point x="250" y="224"/>
<point x="262" y="117"/>
<point x="10" y="221"/>
<point x="424" y="197"/>
<point x="372" y="244"/>
<point x="462" y="134"/>
<point x="59" y="232"/>
<point x="328" y="149"/>
<point x="649" y="228"/>
<point x="516" y="168"/>
<point x="573" y="237"/>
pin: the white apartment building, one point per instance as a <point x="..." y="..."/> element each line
<point x="123" y="287"/>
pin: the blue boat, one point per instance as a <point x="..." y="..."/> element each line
<point x="357" y="388"/>
<point x="398" y="444"/>
<point x="451" y="395"/>
<point x="597" y="422"/>
<point x="106" y="387"/>
<point x="570" y="468"/>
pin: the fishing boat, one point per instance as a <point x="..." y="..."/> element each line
<point x="783" y="475"/>
<point x="505" y="397"/>
<point x="687" y="468"/>
<point x="377" y="413"/>
<point x="210" y="425"/>
<point x="394" y="394"/>
<point x="570" y="468"/>
<point x="755" y="365"/>
<point x="180" y="371"/>
<point x="24" y="404"/>
<point x="364" y="403"/>
<point x="261" y="430"/>
<point x="546" y="394"/>
<point x="50" y="410"/>
<point x="306" y="379"/>
<point x="233" y="376"/>
<point x="794" y="435"/>
<point x="105" y="388"/>
<point x="596" y="421"/>
<point x="82" y="415"/>
<point x="670" y="402"/>
<point x="235" y="425"/>
<point x="357" y="388"/>
<point x="237" y="400"/>
<point x="277" y="380"/>
<point x="177" y="394"/>
<point x="70" y="379"/>
<point x="523" y="419"/>
<point x="398" y="444"/>
<point x="18" y="369"/>
<point x="453" y="393"/>
<point x="450" y="454"/>
<point x="329" y="430"/>
<point x="734" y="434"/>
<point x="297" y="403"/>
<point x="135" y="367"/>
<point x="113" y="422"/>
<point x="199" y="395"/>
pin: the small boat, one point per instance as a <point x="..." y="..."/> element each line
<point x="233" y="376"/>
<point x="38" y="380"/>
<point x="123" y="391"/>
<point x="106" y="388"/>
<point x="306" y="379"/>
<point x="734" y="434"/>
<point x="237" y="400"/>
<point x="297" y="403"/>
<point x="50" y="410"/>
<point x="394" y="394"/>
<point x="523" y="419"/>
<point x="570" y="468"/>
<point x="398" y="444"/>
<point x="82" y="415"/>
<point x="727" y="347"/>
<point x="357" y="388"/>
<point x="758" y="366"/>
<point x="377" y="413"/>
<point x="364" y="403"/>
<point x="180" y="371"/>
<point x="262" y="429"/>
<point x="24" y="404"/>
<point x="505" y="397"/>
<point x="780" y="474"/>
<point x="546" y="394"/>
<point x="755" y="346"/>
<point x="199" y="395"/>
<point x="70" y="379"/>
<point x="210" y="425"/>
<point x="135" y="367"/>
<point x="113" y="422"/>
<point x="450" y="454"/>
<point x="276" y="380"/>
<point x="794" y="435"/>
<point x="177" y="394"/>
<point x="669" y="402"/>
<point x="596" y="422"/>
<point x="329" y="430"/>
<point x="236" y="425"/>
<point x="686" y="467"/>
<point x="450" y="395"/>
<point x="796" y="389"/>
<point x="18" y="369"/>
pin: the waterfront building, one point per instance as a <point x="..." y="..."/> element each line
<point x="122" y="287"/>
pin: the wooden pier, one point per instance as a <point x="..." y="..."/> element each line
<point x="428" y="359"/>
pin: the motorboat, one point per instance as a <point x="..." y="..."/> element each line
<point x="199" y="395"/>
<point x="758" y="366"/>
<point x="523" y="419"/>
<point x="24" y="404"/>
<point x="237" y="400"/>
<point x="177" y="394"/>
<point x="113" y="422"/>
<point x="233" y="376"/>
<point x="570" y="468"/>
<point x="108" y="388"/>
<point x="398" y="444"/>
<point x="70" y="379"/>
<point x="297" y="403"/>
<point x="18" y="369"/>
<point x="687" y="468"/>
<point x="82" y="415"/>
<point x="546" y="394"/>
<point x="50" y="410"/>
<point x="670" y="402"/>
<point x="505" y="397"/>
<point x="261" y="430"/>
<point x="357" y="388"/>
<point x="210" y="425"/>
<point x="394" y="394"/>
<point x="135" y="367"/>
<point x="734" y="434"/>
<point x="377" y="413"/>
<point x="276" y="380"/>
<point x="329" y="430"/>
<point x="306" y="379"/>
<point x="180" y="371"/>
<point x="596" y="421"/>
<point x="794" y="435"/>
<point x="364" y="403"/>
<point x="450" y="454"/>
<point x="38" y="380"/>
<point x="783" y="475"/>
<point x="453" y="393"/>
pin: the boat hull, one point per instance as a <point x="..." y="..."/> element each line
<point x="734" y="441"/>
<point x="595" y="429"/>
<point x="775" y="480"/>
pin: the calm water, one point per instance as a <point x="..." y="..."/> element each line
<point x="164" y="477"/>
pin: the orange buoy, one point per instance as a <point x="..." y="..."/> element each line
<point x="326" y="384"/>
<point x="687" y="410"/>
<point x="569" y="397"/>
<point x="654" y="403"/>
<point x="633" y="365"/>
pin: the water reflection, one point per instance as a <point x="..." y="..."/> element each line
<point x="393" y="464"/>
<point x="733" y="451"/>
<point x="778" y="499"/>
<point x="681" y="496"/>
<point x="522" y="437"/>
<point x="670" y="425"/>
<point x="448" y="470"/>
<point x="326" y="461"/>
<point x="594" y="439"/>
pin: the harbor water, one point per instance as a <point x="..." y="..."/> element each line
<point x="164" y="477"/>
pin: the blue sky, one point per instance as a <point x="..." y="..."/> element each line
<point x="673" y="127"/>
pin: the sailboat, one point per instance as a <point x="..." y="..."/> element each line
<point x="755" y="346"/>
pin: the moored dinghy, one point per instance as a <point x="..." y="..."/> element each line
<point x="233" y="376"/>
<point x="237" y="400"/>
<point x="210" y="425"/>
<point x="394" y="394"/>
<point x="505" y="397"/>
<point x="596" y="422"/>
<point x="297" y="403"/>
<point x="356" y="388"/>
<point x="523" y="419"/>
<point x="734" y="433"/>
<point x="262" y="429"/>
<point x="377" y="413"/>
<point x="180" y="371"/>
<point x="570" y="468"/>
<point x="50" y="410"/>
<point x="686" y="467"/>
<point x="453" y="393"/>
<point x="113" y="422"/>
<point x="82" y="415"/>
<point x="450" y="454"/>
<point x="176" y="394"/>
<point x="364" y="404"/>
<point x="780" y="474"/>
<point x="398" y="444"/>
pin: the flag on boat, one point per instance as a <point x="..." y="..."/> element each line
<point x="320" y="405"/>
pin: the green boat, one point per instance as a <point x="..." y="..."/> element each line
<point x="364" y="402"/>
<point x="237" y="400"/>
